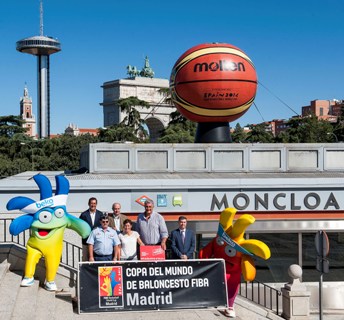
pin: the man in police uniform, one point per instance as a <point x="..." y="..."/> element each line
<point x="103" y="242"/>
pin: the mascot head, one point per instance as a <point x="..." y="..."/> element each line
<point x="230" y="244"/>
<point x="47" y="215"/>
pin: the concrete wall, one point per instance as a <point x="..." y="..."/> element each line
<point x="130" y="158"/>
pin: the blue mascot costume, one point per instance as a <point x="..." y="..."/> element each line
<point x="47" y="219"/>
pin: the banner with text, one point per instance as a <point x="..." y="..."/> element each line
<point x="143" y="285"/>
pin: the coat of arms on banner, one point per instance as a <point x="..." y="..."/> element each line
<point x="110" y="283"/>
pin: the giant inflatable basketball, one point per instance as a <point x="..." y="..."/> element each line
<point x="213" y="82"/>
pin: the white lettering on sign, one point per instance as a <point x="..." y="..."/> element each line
<point x="136" y="272"/>
<point x="200" y="282"/>
<point x="163" y="284"/>
<point x="178" y="271"/>
<point x="134" y="299"/>
<point x="155" y="271"/>
<point x="131" y="285"/>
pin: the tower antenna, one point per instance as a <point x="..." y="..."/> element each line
<point x="42" y="47"/>
<point x="41" y="18"/>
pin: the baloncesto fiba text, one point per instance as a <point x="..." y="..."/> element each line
<point x="163" y="296"/>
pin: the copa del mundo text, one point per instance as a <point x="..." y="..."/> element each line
<point x="282" y="201"/>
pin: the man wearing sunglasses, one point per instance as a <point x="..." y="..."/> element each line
<point x="103" y="242"/>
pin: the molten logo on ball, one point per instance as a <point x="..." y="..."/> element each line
<point x="213" y="83"/>
<point x="222" y="65"/>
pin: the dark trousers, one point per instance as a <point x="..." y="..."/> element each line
<point x="98" y="257"/>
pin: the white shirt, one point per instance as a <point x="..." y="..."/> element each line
<point x="128" y="244"/>
<point x="182" y="234"/>
<point x="117" y="223"/>
<point x="93" y="217"/>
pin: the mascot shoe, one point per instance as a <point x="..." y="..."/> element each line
<point x="27" y="282"/>
<point x="230" y="312"/>
<point x="50" y="286"/>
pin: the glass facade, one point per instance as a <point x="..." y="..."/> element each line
<point x="296" y="248"/>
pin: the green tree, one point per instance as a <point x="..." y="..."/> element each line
<point x="167" y="95"/>
<point x="177" y="118"/>
<point x="13" y="156"/>
<point x="120" y="133"/>
<point x="179" y="130"/>
<point x="176" y="133"/>
<point x="291" y="134"/>
<point x="10" y="125"/>
<point x="338" y="129"/>
<point x="19" y="152"/>
<point x="63" y="152"/>
<point x="283" y="137"/>
<point x="307" y="130"/>
<point x="259" y="133"/>
<point x="238" y="134"/>
<point x="314" y="130"/>
<point x="133" y="118"/>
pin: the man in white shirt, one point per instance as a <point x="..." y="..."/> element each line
<point x="92" y="217"/>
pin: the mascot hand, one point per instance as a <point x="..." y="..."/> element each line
<point x="248" y="268"/>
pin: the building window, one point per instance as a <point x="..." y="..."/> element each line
<point x="284" y="252"/>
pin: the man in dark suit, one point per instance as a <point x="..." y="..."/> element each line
<point x="183" y="241"/>
<point x="92" y="217"/>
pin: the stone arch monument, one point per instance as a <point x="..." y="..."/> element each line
<point x="144" y="86"/>
<point x="155" y="126"/>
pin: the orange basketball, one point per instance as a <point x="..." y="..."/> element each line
<point x="213" y="82"/>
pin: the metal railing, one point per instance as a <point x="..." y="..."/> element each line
<point x="71" y="253"/>
<point x="6" y="237"/>
<point x="262" y="294"/>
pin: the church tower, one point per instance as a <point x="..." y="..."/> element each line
<point x="26" y="113"/>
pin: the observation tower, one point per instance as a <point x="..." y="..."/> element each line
<point x="42" y="47"/>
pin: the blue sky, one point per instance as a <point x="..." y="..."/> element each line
<point x="297" y="47"/>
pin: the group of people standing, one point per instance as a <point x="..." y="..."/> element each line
<point x="112" y="237"/>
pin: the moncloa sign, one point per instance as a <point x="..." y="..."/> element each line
<point x="283" y="201"/>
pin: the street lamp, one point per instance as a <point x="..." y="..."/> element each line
<point x="26" y="144"/>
